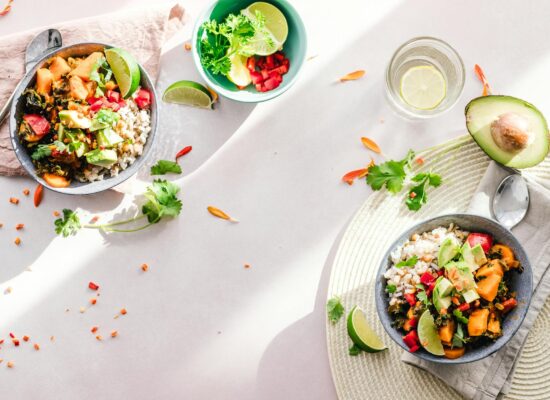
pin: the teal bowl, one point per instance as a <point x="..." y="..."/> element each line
<point x="295" y="49"/>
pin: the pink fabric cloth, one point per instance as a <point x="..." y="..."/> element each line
<point x="140" y="31"/>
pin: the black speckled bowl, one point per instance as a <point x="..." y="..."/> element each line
<point x="521" y="283"/>
<point x="80" y="49"/>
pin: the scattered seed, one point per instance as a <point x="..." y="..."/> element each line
<point x="8" y="290"/>
<point x="99" y="337"/>
<point x="2" y="341"/>
<point x="15" y="342"/>
<point x="10" y="364"/>
<point x="17" y="241"/>
<point x="370" y="144"/>
<point x="67" y="310"/>
<point x="216" y="212"/>
<point x="38" y="194"/>
<point x="144" y="267"/>
<point x="116" y="316"/>
<point x="36" y="346"/>
<point x="93" y="286"/>
<point x="26" y="192"/>
<point x="352" y="76"/>
<point x="114" y="334"/>
<point x="1" y="359"/>
<point x="1" y="225"/>
<point x="12" y="335"/>
<point x="187" y="46"/>
<point x="419" y="160"/>
<point x="82" y="310"/>
<point x="312" y="57"/>
<point x="247" y="266"/>
<point x="19" y="226"/>
<point x="56" y="213"/>
<point x="14" y="200"/>
<point x="94" y="329"/>
<point x="52" y="338"/>
<point x="26" y="338"/>
<point x="123" y="311"/>
<point x="93" y="300"/>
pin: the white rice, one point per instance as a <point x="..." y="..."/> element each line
<point x="425" y="246"/>
<point x="134" y="126"/>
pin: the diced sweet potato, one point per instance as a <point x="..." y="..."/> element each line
<point x="493" y="325"/>
<point x="447" y="331"/>
<point x="59" y="67"/>
<point x="56" y="181"/>
<point x="85" y="67"/>
<point x="493" y="267"/>
<point x="453" y="353"/>
<point x="477" y="323"/>
<point x="488" y="287"/>
<point x="506" y="254"/>
<point x="77" y="88"/>
<point x="44" y="79"/>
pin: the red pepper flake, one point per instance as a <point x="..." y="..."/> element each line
<point x="19" y="226"/>
<point x="419" y="160"/>
<point x="36" y="346"/>
<point x="10" y="363"/>
<point x="12" y="335"/>
<point x="114" y="334"/>
<point x="183" y="151"/>
<point x="93" y="286"/>
<point x="144" y="267"/>
<point x="94" y="329"/>
<point x="56" y="214"/>
<point x="481" y="76"/>
<point x="26" y="338"/>
<point x="15" y="342"/>
<point x="14" y="200"/>
<point x="6" y="9"/>
<point x="353" y="175"/>
<point x="26" y="192"/>
<point x="38" y="194"/>
<point x="17" y="241"/>
<point x="93" y="301"/>
<point x="123" y="311"/>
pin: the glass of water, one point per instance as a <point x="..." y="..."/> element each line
<point x="424" y="78"/>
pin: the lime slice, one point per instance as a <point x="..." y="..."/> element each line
<point x="427" y="334"/>
<point x="239" y="74"/>
<point x="361" y="333"/>
<point x="188" y="93"/>
<point x="126" y="70"/>
<point x="275" y="32"/>
<point x="423" y="87"/>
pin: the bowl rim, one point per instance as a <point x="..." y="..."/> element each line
<point x="379" y="291"/>
<point x="254" y="97"/>
<point x="106" y="183"/>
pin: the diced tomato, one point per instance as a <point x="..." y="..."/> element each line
<point x="440" y="272"/>
<point x="485" y="240"/>
<point x="269" y="62"/>
<point x="251" y="64"/>
<point x="427" y="278"/>
<point x="256" y="77"/>
<point x="411" y="299"/>
<point x="414" y="348"/>
<point x="430" y="288"/>
<point x="39" y="125"/>
<point x="272" y="83"/>
<point x="143" y="99"/>
<point x="265" y="74"/>
<point x="509" y="304"/>
<point x="113" y="96"/>
<point x="463" y="307"/>
<point x="281" y="70"/>
<point x="411" y="340"/>
<point x="93" y="286"/>
<point x="413" y="322"/>
<point x="279" y="56"/>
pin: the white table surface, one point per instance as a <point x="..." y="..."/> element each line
<point x="199" y="325"/>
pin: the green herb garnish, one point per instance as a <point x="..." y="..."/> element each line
<point x="354" y="350"/>
<point x="417" y="194"/>
<point x="164" y="166"/>
<point x="391" y="288"/>
<point x="335" y="309"/>
<point x="41" y="151"/>
<point x="101" y="73"/>
<point x="411" y="262"/>
<point x="459" y="316"/>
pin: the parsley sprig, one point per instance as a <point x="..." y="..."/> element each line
<point x="162" y="201"/>
<point x="394" y="175"/>
<point x="335" y="309"/>
<point x="163" y="167"/>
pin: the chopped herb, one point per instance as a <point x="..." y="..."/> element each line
<point x="68" y="225"/>
<point x="164" y="166"/>
<point x="417" y="194"/>
<point x="391" y="288"/>
<point x="41" y="151"/>
<point x="354" y="350"/>
<point x="458" y="337"/>
<point x="411" y="262"/>
<point x="423" y="297"/>
<point x="335" y="309"/>
<point x="101" y="73"/>
<point x="460" y="317"/>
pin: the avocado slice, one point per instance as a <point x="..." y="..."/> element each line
<point x="511" y="131"/>
<point x="441" y="293"/>
<point x="102" y="158"/>
<point x="470" y="295"/>
<point x="108" y="138"/>
<point x="71" y="119"/>
<point x="447" y="251"/>
<point x="460" y="275"/>
<point x="474" y="257"/>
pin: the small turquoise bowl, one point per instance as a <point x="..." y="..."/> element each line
<point x="294" y="48"/>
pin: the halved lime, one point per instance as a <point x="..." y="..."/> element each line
<point x="188" y="93"/>
<point x="239" y="74"/>
<point x="276" y="29"/>
<point x="126" y="70"/>
<point x="361" y="333"/>
<point x="423" y="87"/>
<point x="428" y="336"/>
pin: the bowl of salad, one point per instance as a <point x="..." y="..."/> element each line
<point x="249" y="51"/>
<point x="454" y="289"/>
<point x="84" y="118"/>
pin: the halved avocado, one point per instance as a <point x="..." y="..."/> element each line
<point x="523" y="140"/>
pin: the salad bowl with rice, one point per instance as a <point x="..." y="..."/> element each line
<point x="84" y="119"/>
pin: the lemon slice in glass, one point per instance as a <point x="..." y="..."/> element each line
<point x="362" y="334"/>
<point x="423" y="87"/>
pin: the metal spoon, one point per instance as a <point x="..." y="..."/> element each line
<point x="43" y="43"/>
<point x="511" y="201"/>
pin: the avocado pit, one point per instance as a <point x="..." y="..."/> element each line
<point x="510" y="131"/>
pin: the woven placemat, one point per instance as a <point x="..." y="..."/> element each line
<point x="377" y="223"/>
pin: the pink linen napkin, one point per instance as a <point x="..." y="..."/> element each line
<point x="141" y="31"/>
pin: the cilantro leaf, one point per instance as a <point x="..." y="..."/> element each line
<point x="411" y="262"/>
<point x="42" y="150"/>
<point x="417" y="194"/>
<point x="459" y="316"/>
<point x="354" y="350"/>
<point x="335" y="309"/>
<point x="391" y="174"/>
<point x="163" y="201"/>
<point x="391" y="288"/>
<point x="164" y="166"/>
<point x="100" y="73"/>
<point x="69" y="224"/>
<point x="458" y="337"/>
<point x="423" y="297"/>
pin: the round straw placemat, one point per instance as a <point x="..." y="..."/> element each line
<point x="378" y="222"/>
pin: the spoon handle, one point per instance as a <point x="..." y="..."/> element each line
<point x="6" y="108"/>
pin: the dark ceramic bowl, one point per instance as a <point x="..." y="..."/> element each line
<point x="521" y="283"/>
<point x="80" y="49"/>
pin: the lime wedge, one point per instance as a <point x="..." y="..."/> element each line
<point x="188" y="93"/>
<point x="275" y="32"/>
<point x="239" y="74"/>
<point x="126" y="70"/>
<point x="428" y="336"/>
<point x="423" y="87"/>
<point x="361" y="333"/>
